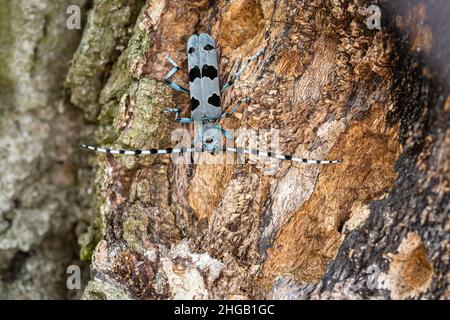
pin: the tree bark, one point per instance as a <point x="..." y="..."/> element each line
<point x="43" y="208"/>
<point x="374" y="226"/>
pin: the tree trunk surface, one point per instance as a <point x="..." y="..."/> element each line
<point x="373" y="226"/>
<point x="42" y="206"/>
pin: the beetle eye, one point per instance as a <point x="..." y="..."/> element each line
<point x="191" y="50"/>
<point x="208" y="47"/>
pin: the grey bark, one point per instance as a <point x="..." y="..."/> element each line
<point x="41" y="210"/>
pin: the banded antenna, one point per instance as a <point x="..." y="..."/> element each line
<point x="237" y="150"/>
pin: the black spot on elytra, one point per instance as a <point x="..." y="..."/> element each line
<point x="194" y="103"/>
<point x="208" y="47"/>
<point x="214" y="100"/>
<point x="194" y="73"/>
<point x="209" y="71"/>
<point x="288" y="157"/>
<point x="191" y="50"/>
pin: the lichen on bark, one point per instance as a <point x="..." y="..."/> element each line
<point x="40" y="207"/>
<point x="109" y="25"/>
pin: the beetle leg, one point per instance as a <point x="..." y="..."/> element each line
<point x="171" y="72"/>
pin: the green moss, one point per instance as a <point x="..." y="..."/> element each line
<point x="146" y="102"/>
<point x="146" y="128"/>
<point x="96" y="232"/>
<point x="133" y="231"/>
<point x="106" y="31"/>
<point x="123" y="71"/>
<point x="137" y="103"/>
<point x="88" y="241"/>
<point x="101" y="290"/>
<point x="106" y="23"/>
<point x="119" y="82"/>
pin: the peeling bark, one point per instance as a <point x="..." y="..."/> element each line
<point x="334" y="89"/>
